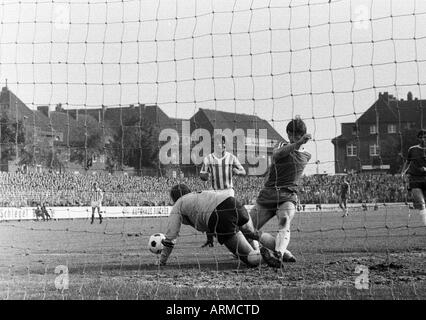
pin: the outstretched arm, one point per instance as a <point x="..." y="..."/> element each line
<point x="173" y="228"/>
<point x="285" y="150"/>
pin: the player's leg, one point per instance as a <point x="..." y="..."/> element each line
<point x="93" y="214"/>
<point x="260" y="215"/>
<point x="419" y="202"/>
<point x="285" y="214"/>
<point x="209" y="242"/>
<point x="99" y="213"/>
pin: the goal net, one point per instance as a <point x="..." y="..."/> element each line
<point x="131" y="95"/>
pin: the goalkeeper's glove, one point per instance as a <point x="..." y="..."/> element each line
<point x="167" y="250"/>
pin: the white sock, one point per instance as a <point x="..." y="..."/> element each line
<point x="282" y="240"/>
<point x="254" y="244"/>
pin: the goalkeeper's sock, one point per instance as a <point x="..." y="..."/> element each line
<point x="282" y="240"/>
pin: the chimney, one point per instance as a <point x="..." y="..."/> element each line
<point x="386" y="96"/>
<point x="409" y="96"/>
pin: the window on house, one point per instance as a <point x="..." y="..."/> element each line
<point x="351" y="150"/>
<point x="373" y="129"/>
<point x="374" y="150"/>
<point x="392" y="128"/>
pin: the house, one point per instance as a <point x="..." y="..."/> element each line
<point x="378" y="141"/>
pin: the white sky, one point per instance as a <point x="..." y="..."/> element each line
<point x="247" y="56"/>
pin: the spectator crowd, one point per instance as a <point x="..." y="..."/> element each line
<point x="68" y="189"/>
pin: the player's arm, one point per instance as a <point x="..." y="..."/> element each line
<point x="173" y="228"/>
<point x="284" y="150"/>
<point x="406" y="163"/>
<point x="238" y="168"/>
<point x="204" y="172"/>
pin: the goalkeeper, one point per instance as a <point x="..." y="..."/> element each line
<point x="218" y="214"/>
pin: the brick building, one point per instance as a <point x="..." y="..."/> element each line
<point x="379" y="139"/>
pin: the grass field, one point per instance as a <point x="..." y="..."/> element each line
<point x="111" y="260"/>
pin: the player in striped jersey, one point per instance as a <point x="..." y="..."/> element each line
<point x="220" y="166"/>
<point x="96" y="201"/>
<point x="415" y="169"/>
<point x="219" y="214"/>
<point x="279" y="195"/>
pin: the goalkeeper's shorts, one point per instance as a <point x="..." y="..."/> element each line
<point x="225" y="220"/>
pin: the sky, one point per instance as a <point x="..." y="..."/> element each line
<point x="324" y="60"/>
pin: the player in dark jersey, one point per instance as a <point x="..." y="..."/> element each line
<point x="279" y="195"/>
<point x="345" y="189"/>
<point x="415" y="169"/>
<point x="219" y="214"/>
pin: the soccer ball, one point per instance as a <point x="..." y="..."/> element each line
<point x="154" y="244"/>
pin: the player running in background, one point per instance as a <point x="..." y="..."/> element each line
<point x="345" y="190"/>
<point x="279" y="195"/>
<point x="96" y="201"/>
<point x="220" y="215"/>
<point x="220" y="167"/>
<point x="415" y="169"/>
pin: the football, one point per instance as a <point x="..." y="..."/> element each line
<point x="154" y="244"/>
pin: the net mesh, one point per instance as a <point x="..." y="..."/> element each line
<point x="89" y="85"/>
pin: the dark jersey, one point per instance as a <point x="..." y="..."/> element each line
<point x="344" y="188"/>
<point x="285" y="173"/>
<point x="417" y="160"/>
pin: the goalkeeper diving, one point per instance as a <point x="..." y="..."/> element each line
<point x="217" y="214"/>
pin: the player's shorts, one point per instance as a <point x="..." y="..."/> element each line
<point x="272" y="198"/>
<point x="96" y="204"/>
<point x="226" y="219"/>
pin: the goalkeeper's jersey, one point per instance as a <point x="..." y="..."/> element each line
<point x="193" y="209"/>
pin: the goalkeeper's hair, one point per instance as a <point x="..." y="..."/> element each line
<point x="178" y="191"/>
<point x="296" y="126"/>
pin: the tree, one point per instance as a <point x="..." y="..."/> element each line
<point x="12" y="137"/>
<point x="135" y="144"/>
<point x="86" y="140"/>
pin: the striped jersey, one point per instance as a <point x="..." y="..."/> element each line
<point x="193" y="209"/>
<point x="97" y="195"/>
<point x="220" y="169"/>
<point x="417" y="159"/>
<point x="286" y="171"/>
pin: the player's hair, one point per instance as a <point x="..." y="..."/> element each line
<point x="421" y="133"/>
<point x="178" y="191"/>
<point x="296" y="126"/>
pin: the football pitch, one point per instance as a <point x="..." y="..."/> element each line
<point x="367" y="255"/>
